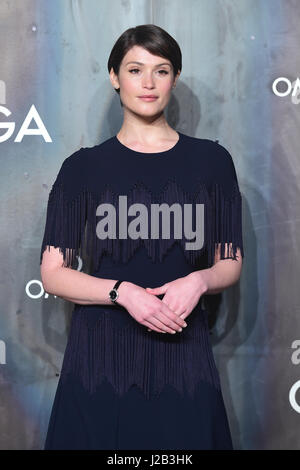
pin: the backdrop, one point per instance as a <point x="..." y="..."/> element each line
<point x="239" y="85"/>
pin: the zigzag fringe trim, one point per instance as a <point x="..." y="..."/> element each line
<point x="130" y="355"/>
<point x="71" y="225"/>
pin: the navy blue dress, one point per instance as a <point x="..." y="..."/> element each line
<point x="121" y="386"/>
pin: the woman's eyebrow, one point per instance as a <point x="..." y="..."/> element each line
<point x="141" y="63"/>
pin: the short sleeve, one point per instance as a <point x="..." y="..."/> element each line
<point x="66" y="213"/>
<point x="226" y="228"/>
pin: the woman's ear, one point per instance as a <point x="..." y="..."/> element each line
<point x="114" y="79"/>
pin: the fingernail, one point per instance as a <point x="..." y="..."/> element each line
<point x="184" y="325"/>
<point x="180" y="329"/>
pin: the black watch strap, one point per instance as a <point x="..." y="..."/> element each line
<point x="117" y="284"/>
<point x="113" y="294"/>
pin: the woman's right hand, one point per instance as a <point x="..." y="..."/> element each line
<point x="148" y="309"/>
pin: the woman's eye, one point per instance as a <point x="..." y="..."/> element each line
<point x="164" y="71"/>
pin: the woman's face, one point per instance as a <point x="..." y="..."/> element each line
<point x="152" y="75"/>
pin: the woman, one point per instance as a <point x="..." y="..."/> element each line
<point x="138" y="370"/>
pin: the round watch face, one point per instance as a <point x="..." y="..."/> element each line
<point x="113" y="294"/>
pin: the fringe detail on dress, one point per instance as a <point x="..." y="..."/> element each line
<point x="71" y="225"/>
<point x="226" y="226"/>
<point x="130" y="355"/>
<point x="65" y="225"/>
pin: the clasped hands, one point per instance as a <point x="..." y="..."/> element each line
<point x="181" y="296"/>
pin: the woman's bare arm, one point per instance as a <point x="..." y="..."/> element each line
<point x="223" y="274"/>
<point x="73" y="285"/>
<point x="81" y="288"/>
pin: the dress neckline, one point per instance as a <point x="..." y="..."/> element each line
<point x="135" y="153"/>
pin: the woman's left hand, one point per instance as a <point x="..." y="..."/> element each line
<point x="182" y="294"/>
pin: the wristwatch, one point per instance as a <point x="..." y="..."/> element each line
<point x="114" y="294"/>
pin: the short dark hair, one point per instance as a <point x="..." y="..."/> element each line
<point x="151" y="37"/>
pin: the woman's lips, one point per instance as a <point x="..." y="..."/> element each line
<point x="144" y="98"/>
